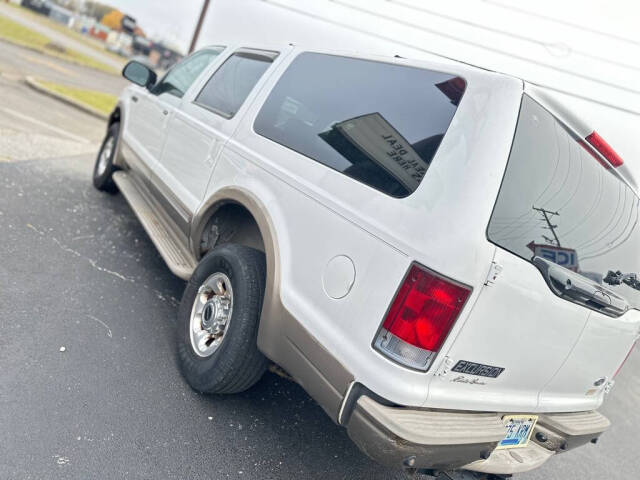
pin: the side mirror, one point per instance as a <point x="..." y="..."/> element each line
<point x="139" y="74"/>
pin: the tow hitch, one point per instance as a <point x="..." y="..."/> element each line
<point x="458" y="475"/>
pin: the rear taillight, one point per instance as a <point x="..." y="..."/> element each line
<point x="602" y="147"/>
<point x="420" y="318"/>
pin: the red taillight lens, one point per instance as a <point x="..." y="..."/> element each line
<point x="597" y="142"/>
<point x="420" y="317"/>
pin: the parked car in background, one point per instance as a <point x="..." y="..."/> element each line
<point x="442" y="256"/>
<point x="40" y="6"/>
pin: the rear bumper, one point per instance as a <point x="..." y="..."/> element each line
<point x="447" y="440"/>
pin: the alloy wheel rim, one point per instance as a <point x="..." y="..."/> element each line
<point x="105" y="155"/>
<point x="211" y="314"/>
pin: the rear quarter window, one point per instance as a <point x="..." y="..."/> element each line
<point x="228" y="88"/>
<point x="378" y="123"/>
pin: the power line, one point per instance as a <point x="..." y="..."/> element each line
<point x="527" y="212"/>
<point x="596" y="79"/>
<point x="547" y="214"/>
<point x="603" y="232"/>
<point x="603" y="252"/>
<point x="562" y="22"/>
<point x="593" y="206"/>
<point x="624" y="229"/>
<point x="394" y="40"/>
<point x="524" y="38"/>
<point x="557" y="131"/>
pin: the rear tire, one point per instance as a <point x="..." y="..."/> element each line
<point x="104" y="167"/>
<point x="227" y="362"/>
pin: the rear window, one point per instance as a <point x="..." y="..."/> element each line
<point x="378" y="123"/>
<point x="559" y="203"/>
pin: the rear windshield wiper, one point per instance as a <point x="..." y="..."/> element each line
<point x="617" y="278"/>
<point x="580" y="289"/>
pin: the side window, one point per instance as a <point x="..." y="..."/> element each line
<point x="378" y="123"/>
<point x="178" y="80"/>
<point x="230" y="85"/>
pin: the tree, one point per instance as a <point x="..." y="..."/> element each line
<point x="98" y="10"/>
<point x="113" y="20"/>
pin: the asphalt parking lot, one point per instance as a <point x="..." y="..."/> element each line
<point x="78" y="271"/>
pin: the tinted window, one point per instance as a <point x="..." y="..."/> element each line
<point x="227" y="89"/>
<point x="559" y="203"/>
<point x="378" y="123"/>
<point x="184" y="73"/>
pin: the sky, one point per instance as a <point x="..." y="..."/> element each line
<point x="171" y="20"/>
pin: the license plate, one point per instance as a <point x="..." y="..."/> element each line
<point x="519" y="429"/>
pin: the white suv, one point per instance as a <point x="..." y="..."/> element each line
<point x="443" y="257"/>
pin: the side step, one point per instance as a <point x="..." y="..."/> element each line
<point x="177" y="258"/>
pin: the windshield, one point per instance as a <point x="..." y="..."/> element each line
<point x="559" y="203"/>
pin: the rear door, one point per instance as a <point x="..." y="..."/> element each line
<point x="202" y="125"/>
<point x="559" y="204"/>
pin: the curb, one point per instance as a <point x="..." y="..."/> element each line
<point x="33" y="83"/>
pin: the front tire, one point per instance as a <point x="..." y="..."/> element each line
<point x="218" y="321"/>
<point x="104" y="167"/>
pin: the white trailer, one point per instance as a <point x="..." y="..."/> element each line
<point x="584" y="53"/>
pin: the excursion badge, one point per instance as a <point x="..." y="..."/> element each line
<point x="478" y="369"/>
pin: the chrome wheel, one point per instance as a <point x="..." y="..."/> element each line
<point x="211" y="314"/>
<point x="105" y="155"/>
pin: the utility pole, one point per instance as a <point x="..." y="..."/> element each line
<point x="547" y="214"/>
<point x="196" y="34"/>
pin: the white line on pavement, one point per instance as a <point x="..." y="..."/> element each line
<point x="45" y="125"/>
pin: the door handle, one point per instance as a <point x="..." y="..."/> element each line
<point x="134" y="98"/>
<point x="567" y="283"/>
<point x="165" y="112"/>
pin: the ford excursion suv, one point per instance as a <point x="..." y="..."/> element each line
<point x="443" y="257"/>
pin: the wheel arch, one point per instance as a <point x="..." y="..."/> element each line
<point x="117" y="116"/>
<point x="242" y="197"/>
<point x="281" y="337"/>
<point x="244" y="203"/>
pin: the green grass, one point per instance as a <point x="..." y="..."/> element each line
<point x="103" y="102"/>
<point x="95" y="44"/>
<point x="16" y="33"/>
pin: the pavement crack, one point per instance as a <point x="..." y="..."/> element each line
<point x="94" y="264"/>
<point x="39" y="232"/>
<point x="109" y="333"/>
<point x="82" y="237"/>
<point x="75" y="253"/>
<point x="65" y="248"/>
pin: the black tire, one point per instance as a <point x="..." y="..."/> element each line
<point x="102" y="179"/>
<point x="237" y="364"/>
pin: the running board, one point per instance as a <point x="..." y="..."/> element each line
<point x="177" y="258"/>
